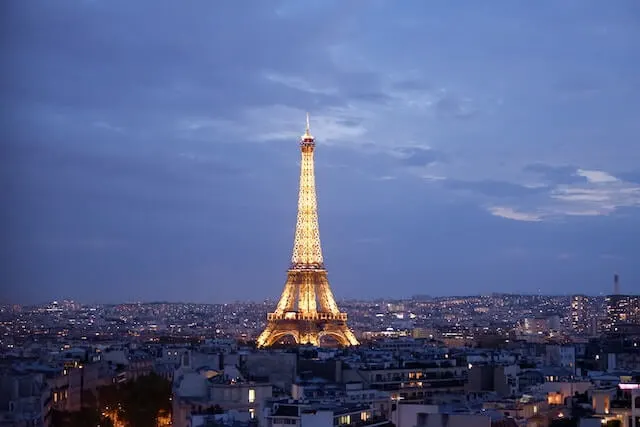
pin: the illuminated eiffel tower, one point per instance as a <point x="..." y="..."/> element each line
<point x="307" y="310"/>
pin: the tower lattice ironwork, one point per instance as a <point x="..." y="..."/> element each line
<point x="307" y="310"/>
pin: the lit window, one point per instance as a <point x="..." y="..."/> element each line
<point x="345" y="419"/>
<point x="252" y="413"/>
<point x="55" y="396"/>
<point x="252" y="395"/>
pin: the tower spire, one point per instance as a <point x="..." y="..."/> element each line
<point x="307" y="133"/>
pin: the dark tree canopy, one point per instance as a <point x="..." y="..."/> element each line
<point x="137" y="403"/>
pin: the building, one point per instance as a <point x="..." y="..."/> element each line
<point x="580" y="319"/>
<point x="621" y="309"/>
<point x="200" y="387"/>
<point x="537" y="325"/>
<point x="563" y="356"/>
<point x="414" y="381"/>
<point x="193" y="396"/>
<point x="301" y="414"/>
<point x="25" y="400"/>
<point x="501" y="379"/>
<point x="430" y="415"/>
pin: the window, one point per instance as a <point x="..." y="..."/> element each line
<point x="284" y="421"/>
<point x="345" y="419"/>
<point x="252" y="395"/>
<point x="252" y="413"/>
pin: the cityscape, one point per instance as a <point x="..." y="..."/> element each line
<point x="477" y="360"/>
<point x="140" y="334"/>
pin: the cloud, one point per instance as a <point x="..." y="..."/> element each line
<point x="498" y="189"/>
<point x="176" y="137"/>
<point x="418" y="156"/>
<point x="596" y="176"/>
<point x="451" y="105"/>
<point x="282" y="123"/>
<point x="348" y="107"/>
<point x="298" y="83"/>
<point x="599" y="194"/>
<point x="510" y="213"/>
<point x="554" y="174"/>
<point x="631" y="176"/>
<point x="108" y="126"/>
<point x="578" y="86"/>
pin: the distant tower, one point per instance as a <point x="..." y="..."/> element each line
<point x="616" y="284"/>
<point x="307" y="310"/>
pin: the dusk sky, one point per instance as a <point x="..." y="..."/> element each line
<point x="150" y="148"/>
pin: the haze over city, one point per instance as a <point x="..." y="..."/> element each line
<point x="151" y="152"/>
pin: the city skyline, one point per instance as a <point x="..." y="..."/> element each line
<point x="162" y="163"/>
<point x="271" y="300"/>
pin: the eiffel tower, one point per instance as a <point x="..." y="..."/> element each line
<point x="307" y="310"/>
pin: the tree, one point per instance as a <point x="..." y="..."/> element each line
<point x="143" y="399"/>
<point x="86" y="417"/>
<point x="565" y="422"/>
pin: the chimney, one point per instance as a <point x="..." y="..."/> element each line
<point x="616" y="284"/>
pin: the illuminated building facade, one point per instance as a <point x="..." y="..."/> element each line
<point x="622" y="309"/>
<point x="580" y="321"/>
<point x="307" y="310"/>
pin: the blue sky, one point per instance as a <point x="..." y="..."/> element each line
<point x="149" y="151"/>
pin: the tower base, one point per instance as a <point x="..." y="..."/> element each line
<point x="306" y="331"/>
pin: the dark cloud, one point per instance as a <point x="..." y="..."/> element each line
<point x="349" y="122"/>
<point x="493" y="188"/>
<point x="362" y="86"/>
<point x="453" y="106"/>
<point x="633" y="176"/>
<point x="108" y="58"/>
<point x="412" y="85"/>
<point x="373" y="97"/>
<point x="563" y="174"/>
<point x="111" y="228"/>
<point x="416" y="156"/>
<point x="577" y="86"/>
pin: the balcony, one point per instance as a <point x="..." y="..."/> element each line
<point x="294" y="315"/>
